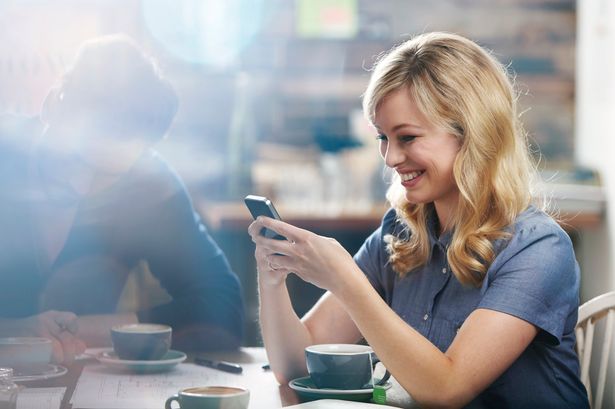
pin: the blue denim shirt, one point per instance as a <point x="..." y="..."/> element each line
<point x="534" y="277"/>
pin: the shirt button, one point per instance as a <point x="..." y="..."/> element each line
<point x="425" y="317"/>
<point x="444" y="270"/>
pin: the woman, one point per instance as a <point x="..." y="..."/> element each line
<point x="467" y="293"/>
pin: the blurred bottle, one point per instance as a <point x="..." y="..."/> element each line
<point x="335" y="184"/>
<point x="8" y="389"/>
<point x="242" y="140"/>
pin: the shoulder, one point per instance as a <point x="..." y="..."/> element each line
<point x="375" y="244"/>
<point x="152" y="162"/>
<point x="534" y="225"/>
<point x="539" y="246"/>
<point x="392" y="224"/>
<point x="389" y="219"/>
<point x="535" y="276"/>
<point x="153" y="175"/>
<point x="535" y="219"/>
<point x="150" y="187"/>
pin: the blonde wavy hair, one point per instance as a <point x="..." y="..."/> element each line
<point x="458" y="85"/>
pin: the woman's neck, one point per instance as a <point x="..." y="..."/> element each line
<point x="445" y="211"/>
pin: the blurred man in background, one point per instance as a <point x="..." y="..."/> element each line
<point x="85" y="201"/>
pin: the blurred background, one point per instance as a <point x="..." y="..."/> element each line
<point x="271" y="92"/>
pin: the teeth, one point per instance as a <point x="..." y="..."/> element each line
<point x="409" y="176"/>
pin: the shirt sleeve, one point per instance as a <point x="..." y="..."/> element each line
<point x="536" y="278"/>
<point x="206" y="294"/>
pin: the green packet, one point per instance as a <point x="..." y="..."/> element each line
<point x="379" y="395"/>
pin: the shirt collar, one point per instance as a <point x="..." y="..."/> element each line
<point x="433" y="225"/>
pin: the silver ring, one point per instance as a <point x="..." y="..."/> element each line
<point x="270" y="266"/>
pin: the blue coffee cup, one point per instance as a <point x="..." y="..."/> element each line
<point x="342" y="366"/>
<point x="141" y="342"/>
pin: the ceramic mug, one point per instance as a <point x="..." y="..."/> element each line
<point x="342" y="366"/>
<point x="141" y="342"/>
<point x="25" y="354"/>
<point x="210" y="397"/>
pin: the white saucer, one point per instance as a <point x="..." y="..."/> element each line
<point x="51" y="371"/>
<point x="167" y="362"/>
<point x="307" y="390"/>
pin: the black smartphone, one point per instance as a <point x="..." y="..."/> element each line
<point x="261" y="206"/>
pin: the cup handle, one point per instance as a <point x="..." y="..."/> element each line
<point x="386" y="376"/>
<point x="167" y="404"/>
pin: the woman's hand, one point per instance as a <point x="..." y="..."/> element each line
<point x="319" y="260"/>
<point x="268" y="275"/>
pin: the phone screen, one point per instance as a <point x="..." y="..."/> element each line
<point x="261" y="206"/>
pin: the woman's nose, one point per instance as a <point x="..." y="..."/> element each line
<point x="393" y="156"/>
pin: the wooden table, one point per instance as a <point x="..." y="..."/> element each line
<point x="265" y="392"/>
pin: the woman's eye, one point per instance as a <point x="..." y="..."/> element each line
<point x="381" y="137"/>
<point x="407" y="138"/>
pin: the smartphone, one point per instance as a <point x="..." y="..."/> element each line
<point x="261" y="206"/>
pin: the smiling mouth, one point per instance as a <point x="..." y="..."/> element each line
<point x="405" y="177"/>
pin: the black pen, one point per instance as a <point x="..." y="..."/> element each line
<point x="221" y="365"/>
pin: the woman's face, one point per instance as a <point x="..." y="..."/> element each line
<point x="421" y="153"/>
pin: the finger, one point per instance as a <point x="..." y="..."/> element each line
<point x="292" y="233"/>
<point x="272" y="243"/>
<point x="80" y="347"/>
<point x="265" y="266"/>
<point x="57" y="354"/>
<point x="254" y="229"/>
<point x="67" y="322"/>
<point x="267" y="246"/>
<point x="275" y="249"/>
<point x="280" y="263"/>
<point x="69" y="346"/>
<point x="57" y="322"/>
<point x="261" y="253"/>
<point x="262" y="264"/>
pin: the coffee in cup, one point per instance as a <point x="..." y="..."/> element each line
<point x="211" y="397"/>
<point x="342" y="366"/>
<point x="25" y="354"/>
<point x="141" y="342"/>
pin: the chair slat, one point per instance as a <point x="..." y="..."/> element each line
<point x="594" y="310"/>
<point x="580" y="342"/>
<point x="587" y="353"/>
<point x="604" y="358"/>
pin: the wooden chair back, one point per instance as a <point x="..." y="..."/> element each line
<point x="594" y="310"/>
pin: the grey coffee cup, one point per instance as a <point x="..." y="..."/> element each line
<point x="25" y="354"/>
<point x="342" y="366"/>
<point x="141" y="342"/>
<point x="210" y="397"/>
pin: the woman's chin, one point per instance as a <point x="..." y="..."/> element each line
<point x="414" y="199"/>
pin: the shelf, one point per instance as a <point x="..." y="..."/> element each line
<point x="235" y="216"/>
<point x="579" y="207"/>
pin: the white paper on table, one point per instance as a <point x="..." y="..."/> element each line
<point x="338" y="404"/>
<point x="100" y="387"/>
<point x="40" y="398"/>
